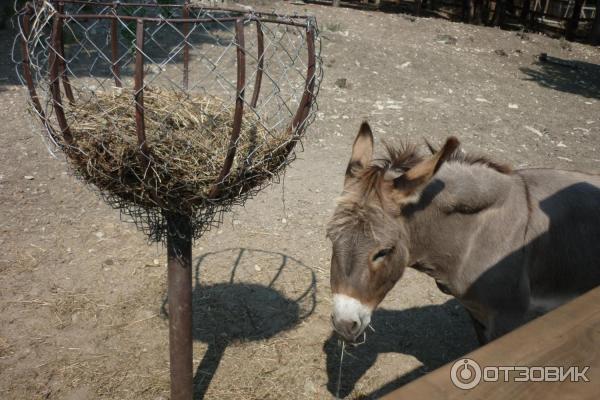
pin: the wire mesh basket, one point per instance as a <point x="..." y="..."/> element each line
<point x="170" y="109"/>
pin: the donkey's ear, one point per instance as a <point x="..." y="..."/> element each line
<point x="362" y="151"/>
<point x="416" y="178"/>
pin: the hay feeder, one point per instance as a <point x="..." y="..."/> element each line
<point x="173" y="113"/>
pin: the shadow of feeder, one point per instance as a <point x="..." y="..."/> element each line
<point x="238" y="312"/>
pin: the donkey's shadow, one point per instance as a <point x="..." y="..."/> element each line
<point x="434" y="335"/>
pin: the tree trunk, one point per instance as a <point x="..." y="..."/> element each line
<point x="573" y="22"/>
<point x="336" y="3"/>
<point x="595" y="33"/>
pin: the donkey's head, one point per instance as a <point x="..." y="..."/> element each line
<point x="370" y="240"/>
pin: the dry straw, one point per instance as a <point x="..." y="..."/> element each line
<point x="188" y="139"/>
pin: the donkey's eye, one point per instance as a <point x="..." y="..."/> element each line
<point x="382" y="253"/>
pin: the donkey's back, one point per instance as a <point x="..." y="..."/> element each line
<point x="564" y="234"/>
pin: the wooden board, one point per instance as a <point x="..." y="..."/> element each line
<point x="567" y="336"/>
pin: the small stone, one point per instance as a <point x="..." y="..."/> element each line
<point x="284" y="221"/>
<point x="513" y="106"/>
<point x="342" y="83"/>
<point x="561" y="144"/>
<point x="565" y="45"/>
<point x="108" y="261"/>
<point x="28" y="177"/>
<point x="156" y="261"/>
<point x="257" y="268"/>
<point x="99" y="234"/>
<point x="501" y="53"/>
<point x="76" y="317"/>
<point x="446" y="39"/>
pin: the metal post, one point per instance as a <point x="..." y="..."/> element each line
<point x="179" y="255"/>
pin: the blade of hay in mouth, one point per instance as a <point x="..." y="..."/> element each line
<point x="188" y="137"/>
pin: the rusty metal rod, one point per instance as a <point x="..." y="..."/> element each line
<point x="239" y="108"/>
<point x="53" y="60"/>
<point x="139" y="87"/>
<point x="114" y="52"/>
<point x="248" y="17"/>
<point x="157" y="5"/>
<point x="305" y="103"/>
<point x="179" y="276"/>
<point x="261" y="60"/>
<point x="26" y="67"/>
<point x="308" y="95"/>
<point x="63" y="66"/>
<point x="186" y="46"/>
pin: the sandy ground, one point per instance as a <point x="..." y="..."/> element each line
<point x="81" y="293"/>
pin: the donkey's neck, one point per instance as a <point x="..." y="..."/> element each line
<point x="464" y="209"/>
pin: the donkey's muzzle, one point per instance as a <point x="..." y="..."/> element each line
<point x="349" y="329"/>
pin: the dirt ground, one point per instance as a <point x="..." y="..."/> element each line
<point x="81" y="293"/>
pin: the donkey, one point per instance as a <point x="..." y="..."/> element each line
<point x="508" y="245"/>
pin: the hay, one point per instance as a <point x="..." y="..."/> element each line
<point x="188" y="138"/>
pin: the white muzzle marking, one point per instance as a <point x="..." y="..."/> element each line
<point x="346" y="308"/>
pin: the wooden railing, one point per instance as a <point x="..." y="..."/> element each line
<point x="568" y="336"/>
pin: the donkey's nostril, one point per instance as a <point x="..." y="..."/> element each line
<point x="348" y="328"/>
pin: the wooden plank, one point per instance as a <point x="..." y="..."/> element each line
<point x="567" y="336"/>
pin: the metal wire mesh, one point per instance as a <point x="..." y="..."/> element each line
<point x="170" y="108"/>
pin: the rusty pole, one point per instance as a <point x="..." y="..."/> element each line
<point x="179" y="271"/>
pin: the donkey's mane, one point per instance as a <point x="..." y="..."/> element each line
<point x="354" y="208"/>
<point x="473" y="159"/>
<point x="404" y="157"/>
